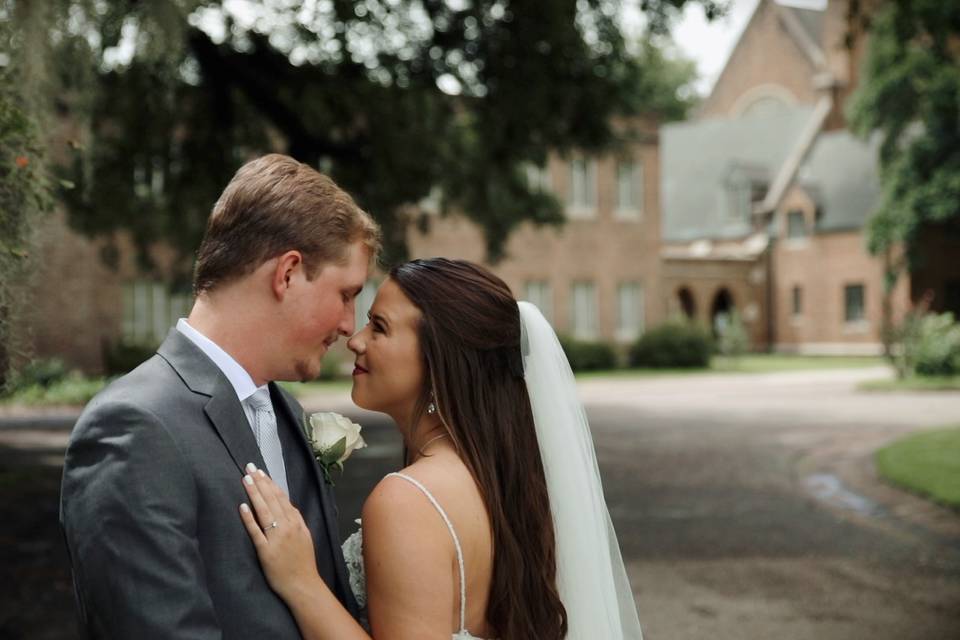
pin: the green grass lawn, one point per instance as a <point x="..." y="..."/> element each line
<point x="927" y="463"/>
<point x="914" y="383"/>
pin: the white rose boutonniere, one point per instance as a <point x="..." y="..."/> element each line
<point x="333" y="438"/>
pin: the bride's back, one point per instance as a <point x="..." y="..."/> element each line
<point x="449" y="481"/>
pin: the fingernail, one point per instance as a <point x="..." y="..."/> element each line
<point x="248" y="480"/>
<point x="244" y="508"/>
<point x="251" y="467"/>
<point x="262" y="474"/>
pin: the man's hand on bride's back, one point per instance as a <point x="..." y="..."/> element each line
<point x="280" y="536"/>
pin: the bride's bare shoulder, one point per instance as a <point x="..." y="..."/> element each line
<point x="445" y="477"/>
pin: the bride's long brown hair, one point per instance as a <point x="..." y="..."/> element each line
<point x="470" y="340"/>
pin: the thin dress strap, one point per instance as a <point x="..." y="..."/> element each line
<point x="456" y="543"/>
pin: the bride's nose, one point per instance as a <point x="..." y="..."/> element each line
<point x="356" y="343"/>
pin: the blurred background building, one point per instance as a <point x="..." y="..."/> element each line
<point x="755" y="207"/>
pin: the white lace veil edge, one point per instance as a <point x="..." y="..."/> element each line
<point x="591" y="576"/>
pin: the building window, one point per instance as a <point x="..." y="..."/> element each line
<point x="796" y="224"/>
<point x="853" y="296"/>
<point x="630" y="310"/>
<point x="629" y="190"/>
<point x="584" y="310"/>
<point x="431" y="203"/>
<point x="539" y="294"/>
<point x="150" y="309"/>
<point x="582" y="197"/>
<point x="797" y="302"/>
<point x="538" y="178"/>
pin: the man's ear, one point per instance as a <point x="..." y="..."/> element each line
<point x="286" y="269"/>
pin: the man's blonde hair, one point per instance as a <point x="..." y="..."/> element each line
<point x="275" y="204"/>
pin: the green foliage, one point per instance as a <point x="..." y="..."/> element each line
<point x="733" y="340"/>
<point x="122" y="357"/>
<point x="910" y="95"/>
<point x="937" y="346"/>
<point x="588" y="356"/>
<point x="673" y="344"/>
<point x="391" y="98"/>
<point x="40" y="373"/>
<point x="74" y="389"/>
<point x="24" y="185"/>
<point x="907" y="337"/>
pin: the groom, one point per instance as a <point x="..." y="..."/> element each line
<point x="152" y="477"/>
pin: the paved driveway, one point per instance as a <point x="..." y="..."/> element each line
<point x="746" y="505"/>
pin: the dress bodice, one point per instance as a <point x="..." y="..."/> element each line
<point x="353" y="555"/>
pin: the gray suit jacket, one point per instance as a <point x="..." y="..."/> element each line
<point x="149" y="507"/>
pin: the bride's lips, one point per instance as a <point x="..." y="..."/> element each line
<point x="358" y="370"/>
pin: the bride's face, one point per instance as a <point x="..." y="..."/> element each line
<point x="388" y="376"/>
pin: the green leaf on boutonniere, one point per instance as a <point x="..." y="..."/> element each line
<point x="330" y="457"/>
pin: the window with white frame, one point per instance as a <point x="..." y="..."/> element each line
<point x="582" y="197"/>
<point x="796" y="225"/>
<point x="538" y="178"/>
<point x="853" y="303"/>
<point x="630" y="310"/>
<point x="583" y="310"/>
<point x="150" y="309"/>
<point x="629" y="190"/>
<point x="538" y="292"/>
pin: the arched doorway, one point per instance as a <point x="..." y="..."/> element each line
<point x="720" y="310"/>
<point x="687" y="303"/>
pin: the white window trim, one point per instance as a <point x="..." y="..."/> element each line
<point x="583" y="210"/>
<point x="635" y="212"/>
<point x="581" y="333"/>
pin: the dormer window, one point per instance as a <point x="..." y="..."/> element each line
<point x="796" y="225"/>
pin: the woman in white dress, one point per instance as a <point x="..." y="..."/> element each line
<point x="496" y="527"/>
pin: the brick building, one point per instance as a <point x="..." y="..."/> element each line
<point x="766" y="195"/>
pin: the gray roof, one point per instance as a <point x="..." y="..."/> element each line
<point x="844" y="172"/>
<point x="699" y="157"/>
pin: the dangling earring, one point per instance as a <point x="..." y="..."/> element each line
<point x="431" y="408"/>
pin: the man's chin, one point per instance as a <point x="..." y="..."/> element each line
<point x="307" y="371"/>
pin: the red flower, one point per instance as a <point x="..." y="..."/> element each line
<point x="22" y="161"/>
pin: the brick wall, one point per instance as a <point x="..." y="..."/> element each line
<point x="765" y="57"/>
<point x="602" y="249"/>
<point x="822" y="265"/>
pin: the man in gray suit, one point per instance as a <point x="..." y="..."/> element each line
<point x="152" y="477"/>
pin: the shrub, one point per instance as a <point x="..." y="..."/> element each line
<point x="937" y="346"/>
<point x="41" y="373"/>
<point x="676" y="343"/>
<point x="74" y="389"/>
<point x="123" y="357"/>
<point x="588" y="356"/>
<point x="734" y="340"/>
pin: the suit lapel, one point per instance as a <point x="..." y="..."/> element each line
<point x="327" y="500"/>
<point x="232" y="426"/>
<point x="202" y="376"/>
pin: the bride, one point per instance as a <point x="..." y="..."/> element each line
<point x="497" y="526"/>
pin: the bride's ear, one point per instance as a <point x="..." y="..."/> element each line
<point x="286" y="268"/>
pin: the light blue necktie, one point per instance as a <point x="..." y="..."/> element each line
<point x="265" y="431"/>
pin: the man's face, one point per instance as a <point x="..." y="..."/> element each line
<point x="321" y="310"/>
